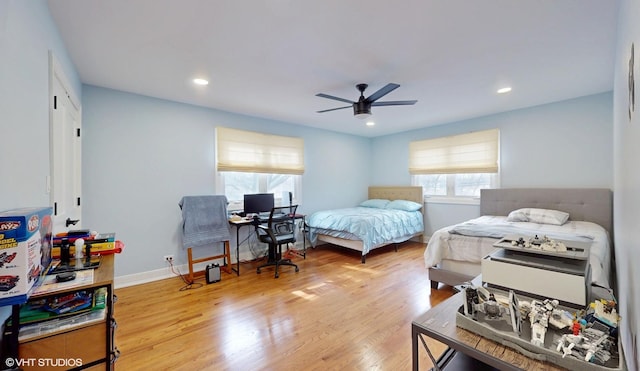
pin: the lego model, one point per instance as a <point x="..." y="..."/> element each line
<point x="480" y="300"/>
<point x="544" y="244"/>
<point x="595" y="339"/>
<point x="545" y="313"/>
<point x="591" y="344"/>
<point x="588" y="335"/>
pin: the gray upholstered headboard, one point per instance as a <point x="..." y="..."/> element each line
<point x="586" y="204"/>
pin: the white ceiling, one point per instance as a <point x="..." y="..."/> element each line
<point x="268" y="58"/>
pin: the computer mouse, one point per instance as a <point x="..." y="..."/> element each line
<point x="65" y="276"/>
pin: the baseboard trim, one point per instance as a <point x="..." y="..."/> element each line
<point x="144" y="277"/>
<point x="156" y="275"/>
<point x="164" y="273"/>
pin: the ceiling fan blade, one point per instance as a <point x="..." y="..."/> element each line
<point x="321" y="95"/>
<point x="395" y="103"/>
<point x="334" y="109"/>
<point x="382" y="92"/>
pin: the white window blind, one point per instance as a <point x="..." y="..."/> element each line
<point x="466" y="153"/>
<point x="248" y="151"/>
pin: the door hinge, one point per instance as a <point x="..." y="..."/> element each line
<point x="55" y="208"/>
<point x="78" y="132"/>
<point x="78" y="201"/>
<point x="55" y="102"/>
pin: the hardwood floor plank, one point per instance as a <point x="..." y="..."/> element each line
<point x="336" y="313"/>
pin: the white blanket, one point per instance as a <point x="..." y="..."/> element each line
<point x="461" y="247"/>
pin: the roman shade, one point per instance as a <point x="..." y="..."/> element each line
<point x="475" y="152"/>
<point x="253" y="152"/>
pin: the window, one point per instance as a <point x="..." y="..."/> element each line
<point x="237" y="184"/>
<point x="455" y="185"/>
<point x="456" y="166"/>
<point x="251" y="162"/>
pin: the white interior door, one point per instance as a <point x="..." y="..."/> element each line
<point x="65" y="133"/>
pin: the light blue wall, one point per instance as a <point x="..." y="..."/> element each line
<point x="141" y="155"/>
<point x="626" y="194"/>
<point x="27" y="33"/>
<point x="562" y="144"/>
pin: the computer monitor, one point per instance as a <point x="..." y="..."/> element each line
<point x="258" y="203"/>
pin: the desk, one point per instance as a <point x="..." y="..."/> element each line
<point x="439" y="323"/>
<point x="238" y="224"/>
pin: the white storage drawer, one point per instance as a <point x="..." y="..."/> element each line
<point x="567" y="280"/>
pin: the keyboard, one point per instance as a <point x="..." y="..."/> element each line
<point x="264" y="217"/>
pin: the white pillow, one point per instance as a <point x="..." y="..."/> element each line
<point x="541" y="216"/>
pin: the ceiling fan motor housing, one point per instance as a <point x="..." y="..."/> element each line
<point x="361" y="108"/>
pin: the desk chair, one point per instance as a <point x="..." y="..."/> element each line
<point x="279" y="230"/>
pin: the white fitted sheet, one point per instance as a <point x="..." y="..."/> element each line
<point x="458" y="247"/>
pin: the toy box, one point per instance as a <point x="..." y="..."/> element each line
<point x="25" y="251"/>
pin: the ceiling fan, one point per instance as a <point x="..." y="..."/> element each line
<point x="362" y="108"/>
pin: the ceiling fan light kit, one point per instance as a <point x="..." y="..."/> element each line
<point x="362" y="108"/>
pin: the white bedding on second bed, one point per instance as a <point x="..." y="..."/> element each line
<point x="459" y="247"/>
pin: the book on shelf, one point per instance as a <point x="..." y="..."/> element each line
<point x="88" y="239"/>
<point x="97" y="248"/>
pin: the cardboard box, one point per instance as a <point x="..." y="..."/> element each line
<point x="25" y="251"/>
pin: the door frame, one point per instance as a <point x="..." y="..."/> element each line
<point x="57" y="75"/>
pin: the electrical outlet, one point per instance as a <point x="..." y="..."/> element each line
<point x="168" y="258"/>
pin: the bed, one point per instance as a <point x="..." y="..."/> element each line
<point x="366" y="228"/>
<point x="453" y="258"/>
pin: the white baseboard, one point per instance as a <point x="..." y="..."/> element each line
<point x="156" y="275"/>
<point x="164" y="273"/>
<point x="145" y="277"/>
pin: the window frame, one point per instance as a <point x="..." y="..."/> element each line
<point x="451" y="197"/>
<point x="258" y="154"/>
<point x="238" y="205"/>
<point x="449" y="156"/>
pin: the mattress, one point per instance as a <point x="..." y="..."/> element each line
<point x="373" y="226"/>
<point x="474" y="239"/>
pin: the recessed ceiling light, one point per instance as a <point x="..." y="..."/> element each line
<point x="200" y="82"/>
<point x="504" y="90"/>
<point x="370" y="123"/>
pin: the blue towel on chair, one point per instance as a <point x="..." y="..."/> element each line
<point x="204" y="220"/>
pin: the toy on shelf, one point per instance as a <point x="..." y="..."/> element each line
<point x="95" y="243"/>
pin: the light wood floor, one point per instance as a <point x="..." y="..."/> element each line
<point x="335" y="314"/>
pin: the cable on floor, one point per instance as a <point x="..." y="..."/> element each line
<point x="188" y="285"/>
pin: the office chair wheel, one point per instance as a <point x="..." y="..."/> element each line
<point x="258" y="270"/>
<point x="297" y="270"/>
<point x="277" y="275"/>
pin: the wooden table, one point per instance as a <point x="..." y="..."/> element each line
<point x="439" y="323"/>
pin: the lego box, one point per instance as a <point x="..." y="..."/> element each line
<point x="25" y="251"/>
